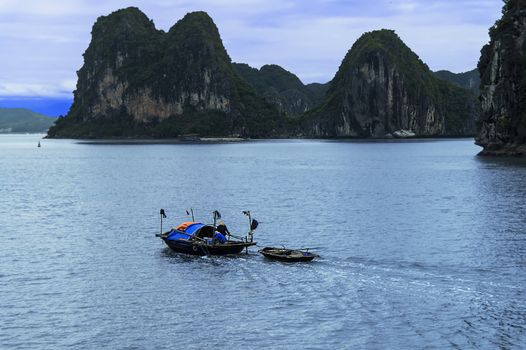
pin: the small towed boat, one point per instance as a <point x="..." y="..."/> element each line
<point x="196" y="238"/>
<point x="290" y="255"/>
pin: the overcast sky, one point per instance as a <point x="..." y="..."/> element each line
<point x="42" y="41"/>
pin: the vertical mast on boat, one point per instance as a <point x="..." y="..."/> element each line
<point x="163" y="215"/>
<point x="217" y="215"/>
<point x="192" y="213"/>
<point x="252" y="225"/>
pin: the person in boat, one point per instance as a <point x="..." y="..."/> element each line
<point x="221" y="228"/>
<point x="222" y="231"/>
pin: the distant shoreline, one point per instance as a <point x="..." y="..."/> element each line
<point x="24" y="133"/>
<point x="215" y="140"/>
<point x="135" y="141"/>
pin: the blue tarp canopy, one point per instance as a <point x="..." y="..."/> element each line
<point x="193" y="227"/>
<point x="188" y="231"/>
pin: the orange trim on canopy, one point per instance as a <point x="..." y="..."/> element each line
<point x="184" y="225"/>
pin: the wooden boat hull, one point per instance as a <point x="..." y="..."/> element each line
<point x="288" y="255"/>
<point x="200" y="248"/>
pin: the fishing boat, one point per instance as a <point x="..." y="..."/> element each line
<point x="290" y="255"/>
<point x="196" y="238"/>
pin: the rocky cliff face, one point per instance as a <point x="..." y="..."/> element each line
<point x="502" y="68"/>
<point x="282" y="88"/>
<point x="383" y="89"/>
<point x="139" y="81"/>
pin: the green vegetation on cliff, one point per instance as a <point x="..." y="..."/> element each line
<point x="137" y="81"/>
<point x="23" y="120"/>
<point x="382" y="87"/>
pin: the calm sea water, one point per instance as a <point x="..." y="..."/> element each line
<point x="422" y="244"/>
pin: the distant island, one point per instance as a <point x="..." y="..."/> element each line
<point x="141" y="82"/>
<point x="383" y="89"/>
<point x="20" y="120"/>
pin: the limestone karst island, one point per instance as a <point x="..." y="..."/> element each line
<point x="138" y="81"/>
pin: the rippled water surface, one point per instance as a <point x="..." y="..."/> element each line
<point x="422" y="244"/>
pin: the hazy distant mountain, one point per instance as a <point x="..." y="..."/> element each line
<point x="23" y="120"/>
<point x="50" y="106"/>
<point x="468" y="80"/>
<point x="282" y="88"/>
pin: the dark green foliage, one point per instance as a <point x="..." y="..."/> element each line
<point x="461" y="101"/>
<point x="192" y="46"/>
<point x="120" y="125"/>
<point x="23" y="120"/>
<point x="461" y="109"/>
<point x="318" y="91"/>
<point x="280" y="78"/>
